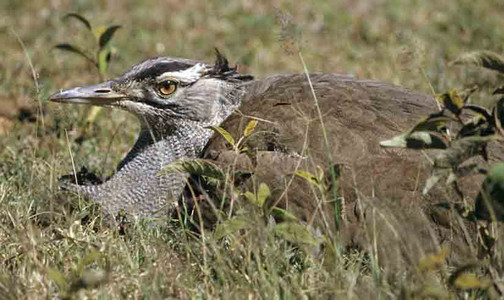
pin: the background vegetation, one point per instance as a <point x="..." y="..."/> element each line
<point x="46" y="251"/>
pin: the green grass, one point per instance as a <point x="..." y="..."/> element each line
<point x="45" y="249"/>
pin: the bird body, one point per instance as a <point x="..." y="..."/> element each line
<point x="356" y="116"/>
<point x="306" y="122"/>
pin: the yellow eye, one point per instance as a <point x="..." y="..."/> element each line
<point x="167" y="88"/>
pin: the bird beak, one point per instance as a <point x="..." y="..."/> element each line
<point x="99" y="94"/>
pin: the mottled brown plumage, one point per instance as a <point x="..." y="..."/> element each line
<point x="357" y="115"/>
<point x="381" y="187"/>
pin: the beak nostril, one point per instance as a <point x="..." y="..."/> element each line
<point x="102" y="91"/>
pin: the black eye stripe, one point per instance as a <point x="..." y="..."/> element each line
<point x="157" y="69"/>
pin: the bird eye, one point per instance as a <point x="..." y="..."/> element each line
<point x="167" y="87"/>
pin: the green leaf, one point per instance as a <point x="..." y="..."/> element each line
<point x="74" y="49"/>
<point x="418" y="140"/>
<point x="428" y="133"/>
<point x="231" y="226"/>
<point x="312" y="179"/>
<point x="107" y="35"/>
<point x="250" y="197"/>
<point x="244" y="149"/>
<point x="483" y="112"/>
<point x="477" y="126"/>
<point x="295" y="233"/>
<point x="426" y="140"/>
<point x="249" y="129"/>
<point x="464" y="280"/>
<point x="78" y="18"/>
<point x="433" y="262"/>
<point x="451" y="101"/>
<point x="398" y="141"/>
<point x="282" y="214"/>
<point x="467" y="281"/>
<point x="263" y="192"/>
<point x="197" y="166"/>
<point x="485" y="59"/>
<point x="434" y="122"/>
<point x="226" y="135"/>
<point x="58" y="278"/>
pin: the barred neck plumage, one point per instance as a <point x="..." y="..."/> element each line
<point x="137" y="186"/>
<point x="186" y="138"/>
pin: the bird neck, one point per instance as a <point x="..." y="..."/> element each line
<point x="137" y="186"/>
<point x="185" y="140"/>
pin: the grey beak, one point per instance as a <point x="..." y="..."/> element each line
<point x="99" y="94"/>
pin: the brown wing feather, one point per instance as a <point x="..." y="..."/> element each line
<point x="357" y="115"/>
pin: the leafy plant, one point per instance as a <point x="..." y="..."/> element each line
<point x="469" y="137"/>
<point x="472" y="128"/>
<point x="237" y="145"/>
<point x="98" y="55"/>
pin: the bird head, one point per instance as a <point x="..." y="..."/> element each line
<point x="168" y="90"/>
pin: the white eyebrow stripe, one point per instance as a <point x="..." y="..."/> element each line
<point x="187" y="76"/>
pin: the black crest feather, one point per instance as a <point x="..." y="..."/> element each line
<point x="222" y="70"/>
